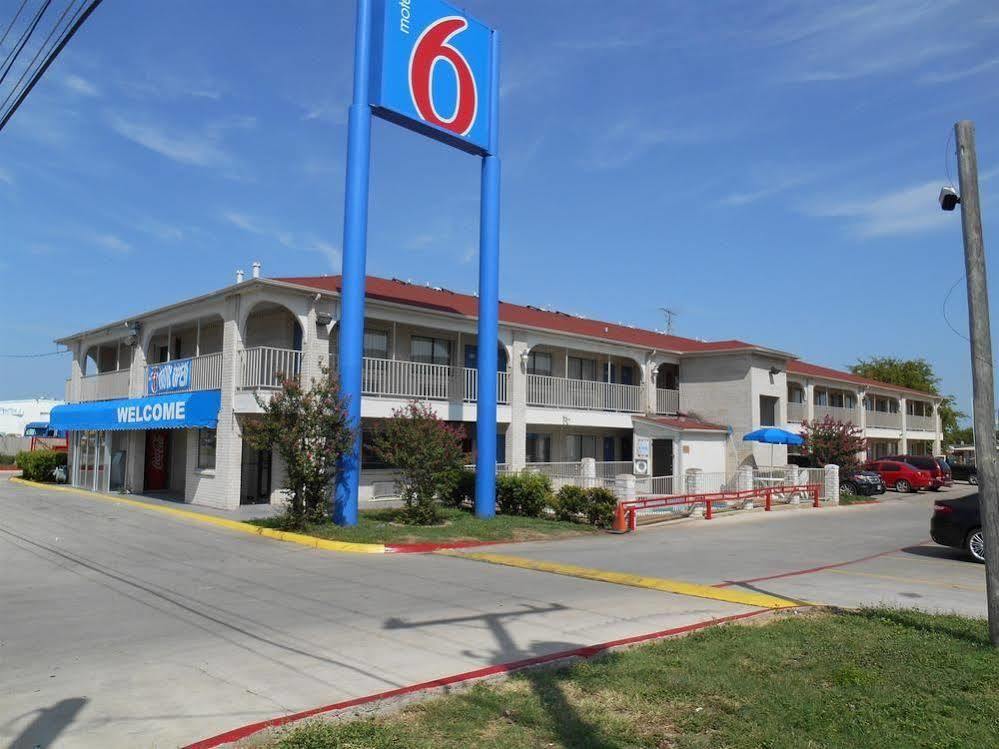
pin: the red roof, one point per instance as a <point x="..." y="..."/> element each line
<point x="683" y="422"/>
<point x="814" y="370"/>
<point x="444" y="300"/>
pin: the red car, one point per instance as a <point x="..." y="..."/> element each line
<point x="940" y="476"/>
<point x="902" y="477"/>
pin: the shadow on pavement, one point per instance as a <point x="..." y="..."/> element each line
<point x="936" y="552"/>
<point x="569" y="726"/>
<point x="48" y="723"/>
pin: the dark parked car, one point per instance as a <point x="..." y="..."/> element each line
<point x="860" y="482"/>
<point x="958" y="523"/>
<point x="900" y="476"/>
<point x="964" y="472"/>
<point x="926" y="463"/>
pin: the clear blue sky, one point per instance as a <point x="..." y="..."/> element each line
<point x="768" y="169"/>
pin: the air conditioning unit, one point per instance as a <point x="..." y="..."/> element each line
<point x="641" y="466"/>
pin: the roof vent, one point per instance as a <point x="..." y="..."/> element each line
<point x="256" y="269"/>
<point x="239" y="276"/>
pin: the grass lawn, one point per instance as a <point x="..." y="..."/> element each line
<point x="853" y="499"/>
<point x="383" y="526"/>
<point x="870" y="679"/>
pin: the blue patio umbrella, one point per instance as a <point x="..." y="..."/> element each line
<point x="774" y="436"/>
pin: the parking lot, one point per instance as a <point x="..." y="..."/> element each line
<point x="122" y="627"/>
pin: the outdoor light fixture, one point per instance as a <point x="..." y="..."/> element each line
<point x="949" y="198"/>
<point x="323" y="318"/>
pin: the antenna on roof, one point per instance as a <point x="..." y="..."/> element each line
<point x="670" y="314"/>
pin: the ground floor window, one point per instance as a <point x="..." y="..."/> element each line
<point x="206" y="448"/>
<point x="581" y="446"/>
<point x="539" y="448"/>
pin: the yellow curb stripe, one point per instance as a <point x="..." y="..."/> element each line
<point x="234" y="525"/>
<point x="747" y="598"/>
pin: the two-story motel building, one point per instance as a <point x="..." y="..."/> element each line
<point x="157" y="402"/>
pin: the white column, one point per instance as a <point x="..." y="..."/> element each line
<point x="903" y="445"/>
<point x="693" y="484"/>
<point x="743" y="483"/>
<point x="624" y="487"/>
<point x="76" y="372"/>
<point x="809" y="400"/>
<point x="315" y="346"/>
<point x="937" y="430"/>
<point x="649" y="391"/>
<point x="229" y="435"/>
<point x="588" y="472"/>
<point x="830" y="489"/>
<point x="516" y="444"/>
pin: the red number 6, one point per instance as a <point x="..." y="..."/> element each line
<point x="429" y="48"/>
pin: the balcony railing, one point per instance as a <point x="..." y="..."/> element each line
<point x="265" y="367"/>
<point x="406" y="379"/>
<point x="471" y="386"/>
<point x="561" y="392"/>
<point x="918" y="423"/>
<point x="885" y="419"/>
<point x="105" y="386"/>
<point x="837" y="413"/>
<point x="667" y="401"/>
<point x="206" y="373"/>
<point x="796" y="412"/>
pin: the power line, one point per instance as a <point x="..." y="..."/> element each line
<point x="50" y="58"/>
<point x="12" y="22"/>
<point x="33" y="356"/>
<point x="16" y="51"/>
<point x="28" y="68"/>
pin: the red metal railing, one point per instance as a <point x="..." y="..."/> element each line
<point x="627" y="512"/>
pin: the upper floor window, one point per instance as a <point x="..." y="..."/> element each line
<point x="376" y="344"/>
<point x="768" y="411"/>
<point x="430" y="350"/>
<point x="795" y="395"/>
<point x="821" y="398"/>
<point x="539" y="363"/>
<point x="582" y="369"/>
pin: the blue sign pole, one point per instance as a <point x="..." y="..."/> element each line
<point x="485" y="425"/>
<point x="355" y="240"/>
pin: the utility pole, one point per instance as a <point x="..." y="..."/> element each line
<point x="981" y="365"/>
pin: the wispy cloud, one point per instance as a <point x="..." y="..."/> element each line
<point x="775" y="187"/>
<point x="6" y="177"/>
<point x="111" y="243"/>
<point x="329" y="112"/>
<point x="197" y="149"/>
<point x="631" y="138"/>
<point x="81" y="86"/>
<point x="956" y="75"/>
<point x="287" y="239"/>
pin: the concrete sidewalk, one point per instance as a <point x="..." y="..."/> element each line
<point x="124" y="628"/>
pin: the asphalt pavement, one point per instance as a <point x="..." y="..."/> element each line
<point x="122" y="627"/>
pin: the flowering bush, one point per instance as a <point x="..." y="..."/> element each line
<point x="834" y="442"/>
<point x="427" y="452"/>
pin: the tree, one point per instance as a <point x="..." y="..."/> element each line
<point x="834" y="442"/>
<point x="309" y="429"/>
<point x="916" y="374"/>
<point x="427" y="453"/>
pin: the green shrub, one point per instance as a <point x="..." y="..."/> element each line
<point x="38" y="465"/>
<point x="7" y="460"/>
<point x="600" y="507"/>
<point x="464" y="490"/>
<point x="525" y="494"/>
<point x="570" y="502"/>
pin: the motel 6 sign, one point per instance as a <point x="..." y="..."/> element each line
<point x="431" y="71"/>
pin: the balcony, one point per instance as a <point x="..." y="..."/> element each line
<point x="918" y="423"/>
<point x="205" y="373"/>
<point x="837" y="413"/>
<point x="104" y="386"/>
<point x="562" y="392"/>
<point x="796" y="412"/>
<point x="667" y="401"/>
<point x="266" y="367"/>
<point x="884" y="419"/>
<point x="388" y="378"/>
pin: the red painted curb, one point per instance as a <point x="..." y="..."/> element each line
<point x="794" y="573"/>
<point x="423" y="548"/>
<point x="587" y="651"/>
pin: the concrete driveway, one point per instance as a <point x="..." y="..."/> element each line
<point x="123" y="627"/>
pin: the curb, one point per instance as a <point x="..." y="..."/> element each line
<point x="585" y="652"/>
<point x="302" y="539"/>
<point x="235" y="525"/>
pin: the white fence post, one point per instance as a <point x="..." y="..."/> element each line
<point x="793" y="480"/>
<point x="744" y="483"/>
<point x="624" y="487"/>
<point x="692" y="481"/>
<point x="831" y="484"/>
<point x="588" y="473"/>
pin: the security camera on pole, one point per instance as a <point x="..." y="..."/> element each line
<point x="981" y="358"/>
<point x="431" y="68"/>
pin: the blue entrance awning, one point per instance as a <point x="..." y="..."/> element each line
<point x="173" y="411"/>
